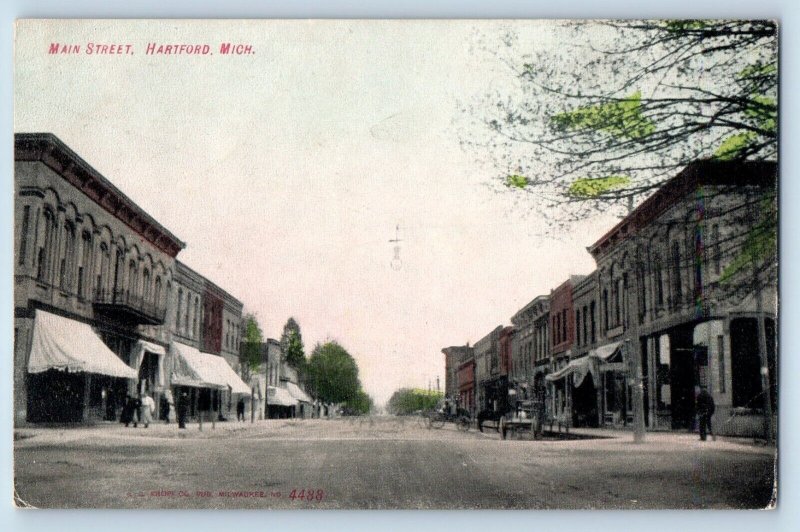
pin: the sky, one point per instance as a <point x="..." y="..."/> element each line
<point x="288" y="170"/>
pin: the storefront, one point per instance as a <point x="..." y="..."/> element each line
<point x="204" y="381"/>
<point x="280" y="403"/>
<point x="72" y="375"/>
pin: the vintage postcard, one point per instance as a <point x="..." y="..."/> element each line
<point x="406" y="264"/>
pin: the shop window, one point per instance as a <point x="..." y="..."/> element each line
<point x="745" y="364"/>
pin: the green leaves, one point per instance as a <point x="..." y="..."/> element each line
<point x="621" y="118"/>
<point x="735" y="146"/>
<point x="332" y="374"/>
<point x="592" y="187"/>
<point x="760" y="247"/>
<point x="517" y="181"/>
<point x="406" y="401"/>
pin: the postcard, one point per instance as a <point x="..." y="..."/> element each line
<point x="395" y="264"/>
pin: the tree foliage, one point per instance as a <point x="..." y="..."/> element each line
<point x="332" y="374"/>
<point x="621" y="106"/>
<point x="250" y="356"/>
<point x="406" y="401"/>
<point x="292" y="346"/>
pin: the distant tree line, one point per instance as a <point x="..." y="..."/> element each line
<point x="406" y="401"/>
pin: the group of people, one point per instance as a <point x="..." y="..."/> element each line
<point x="138" y="410"/>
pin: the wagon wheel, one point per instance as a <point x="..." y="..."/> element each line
<point x="502" y="428"/>
<point x="463" y="423"/>
<point x="437" y="421"/>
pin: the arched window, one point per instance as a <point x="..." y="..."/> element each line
<point x="84" y="270"/>
<point x="178" y="311"/>
<point x="44" y="254"/>
<point x="132" y="278"/>
<point x="196" y="317"/>
<point x="104" y="260"/>
<point x="186" y="316"/>
<point x="146" y="285"/>
<point x="119" y="265"/>
<point x="677" y="288"/>
<point x="157" y="292"/>
<point x="67" y="256"/>
<point x="658" y="271"/>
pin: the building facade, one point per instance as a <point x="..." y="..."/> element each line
<point x="491" y="383"/>
<point x="89" y="263"/>
<point x="675" y="289"/>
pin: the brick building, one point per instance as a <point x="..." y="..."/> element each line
<point x="93" y="274"/>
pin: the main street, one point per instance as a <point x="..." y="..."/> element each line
<point x="378" y="463"/>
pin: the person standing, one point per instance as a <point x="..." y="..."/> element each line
<point x="240" y="409"/>
<point x="705" y="409"/>
<point x="183" y="409"/>
<point x="147" y="409"/>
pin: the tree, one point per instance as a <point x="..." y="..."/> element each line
<point x="406" y="401"/>
<point x="621" y="106"/>
<point x="598" y="126"/>
<point x="251" y="356"/>
<point x="332" y="374"/>
<point x="292" y="346"/>
<point x="360" y="404"/>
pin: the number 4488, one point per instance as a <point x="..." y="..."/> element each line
<point x="307" y="495"/>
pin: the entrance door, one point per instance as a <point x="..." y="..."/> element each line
<point x="682" y="377"/>
<point x="584" y="403"/>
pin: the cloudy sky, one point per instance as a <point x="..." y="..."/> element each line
<point x="287" y="170"/>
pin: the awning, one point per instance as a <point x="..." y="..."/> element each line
<point x="298" y="393"/>
<point x="579" y="366"/>
<point x="605" y="352"/>
<point x="68" y="345"/>
<point x="280" y="397"/>
<point x="193" y="368"/>
<point x="226" y="373"/>
<point x="137" y="356"/>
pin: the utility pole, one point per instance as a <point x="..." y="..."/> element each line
<point x="633" y="352"/>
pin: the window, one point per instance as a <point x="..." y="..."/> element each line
<point x="132" y="277"/>
<point x="23" y="237"/>
<point x="157" y="292"/>
<point x="104" y="259"/>
<point x="593" y="312"/>
<point x="585" y="316"/>
<point x="676" y="269"/>
<point x="83" y="269"/>
<point x="195" y="327"/>
<point x="146" y="285"/>
<point x="715" y="247"/>
<point x="564" y="325"/>
<point x="578" y="327"/>
<point x="605" y="309"/>
<point x="68" y="256"/>
<point x="178" y="311"/>
<point x="43" y="255"/>
<point x="186" y="316"/>
<point x="659" y="274"/>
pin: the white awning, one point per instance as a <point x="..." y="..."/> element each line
<point x="137" y="356"/>
<point x="579" y="366"/>
<point x="605" y="352"/>
<point x="193" y="368"/>
<point x="298" y="393"/>
<point x="68" y="345"/>
<point x="226" y="373"/>
<point x="280" y="397"/>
